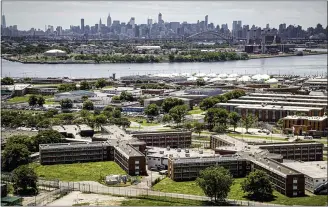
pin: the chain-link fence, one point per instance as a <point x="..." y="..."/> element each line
<point x="59" y="189"/>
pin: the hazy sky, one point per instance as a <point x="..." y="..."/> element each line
<point x="37" y="14"/>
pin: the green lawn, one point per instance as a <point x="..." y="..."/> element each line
<point x="161" y="201"/>
<point x="236" y="193"/>
<point x="195" y="111"/>
<point x="91" y="171"/>
<point x="239" y="136"/>
<point x="22" y="99"/>
<point x="144" y="121"/>
<point x="323" y="141"/>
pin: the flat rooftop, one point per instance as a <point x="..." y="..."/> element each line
<point x="176" y="152"/>
<point x="284" y="103"/>
<point x="310" y="118"/>
<point x="205" y="159"/>
<point x="284" y="99"/>
<point x="315" y="169"/>
<point x="268" y="107"/>
<point x="287" y="95"/>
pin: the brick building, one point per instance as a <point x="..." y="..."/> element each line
<point x="300" y="125"/>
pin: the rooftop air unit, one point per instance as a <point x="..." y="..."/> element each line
<point x="187" y="155"/>
<point x="187" y="151"/>
<point x="179" y="150"/>
<point x="200" y="151"/>
<point x="161" y="152"/>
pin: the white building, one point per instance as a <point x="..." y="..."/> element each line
<point x="55" y="53"/>
<point x="157" y="157"/>
<point x="315" y="172"/>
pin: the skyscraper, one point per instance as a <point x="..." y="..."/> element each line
<point x="99" y="25"/>
<point x="160" y="19"/>
<point x="109" y="21"/>
<point x="82" y="25"/>
<point x="149" y="22"/>
<point x="3" y="21"/>
<point x="132" y="22"/>
<point x="206" y="21"/>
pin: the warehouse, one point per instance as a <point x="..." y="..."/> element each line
<point x="315" y="173"/>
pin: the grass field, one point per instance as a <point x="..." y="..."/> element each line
<point x="236" y="193"/>
<point x="22" y="99"/>
<point x="239" y="136"/>
<point x="9" y="133"/>
<point x="91" y="171"/>
<point x="161" y="201"/>
<point x="144" y="121"/>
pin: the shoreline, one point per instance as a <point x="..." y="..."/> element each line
<point x="70" y="63"/>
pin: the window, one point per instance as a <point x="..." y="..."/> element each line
<point x="295" y="187"/>
<point x="316" y="181"/>
<point x="294" y="193"/>
<point x="136" y="162"/>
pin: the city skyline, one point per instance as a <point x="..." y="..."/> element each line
<point x="26" y="15"/>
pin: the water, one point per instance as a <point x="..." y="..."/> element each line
<point x="295" y="65"/>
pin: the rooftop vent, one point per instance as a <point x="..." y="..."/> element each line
<point x="187" y="155"/>
<point x="161" y="152"/>
<point x="179" y="150"/>
<point x="200" y="151"/>
<point x="187" y="151"/>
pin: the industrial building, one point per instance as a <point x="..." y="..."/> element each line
<point x="315" y="173"/>
<point x="284" y="95"/>
<point x="285" y="99"/>
<point x="300" y="125"/>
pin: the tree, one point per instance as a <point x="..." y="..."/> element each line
<point x="280" y="124"/>
<point x="99" y="120"/>
<point x="166" y="118"/>
<point x="84" y="98"/>
<point x="47" y="137"/>
<point x="44" y="123"/>
<point x="220" y="128"/>
<point x="258" y="185"/>
<point x="32" y="100"/>
<point x="216" y="116"/>
<point x="14" y="155"/>
<point x="25" y="180"/>
<point x="21" y="139"/>
<point x="67" y="87"/>
<point x="100" y="83"/>
<point x="215" y="182"/>
<point x="84" y="85"/>
<point x="109" y="108"/>
<point x="126" y="96"/>
<point x="200" y="82"/>
<point x="7" y="81"/>
<point x="117" y="113"/>
<point x="152" y="110"/>
<point x="188" y="125"/>
<point x="178" y="113"/>
<point x="248" y="121"/>
<point x="66" y="103"/>
<point x="41" y="101"/>
<point x="50" y="113"/>
<point x="169" y="103"/>
<point x="198" y="127"/>
<point x="116" y="99"/>
<point x="88" y="105"/>
<point x="234" y="119"/>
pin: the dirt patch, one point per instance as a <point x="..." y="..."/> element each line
<point x="77" y="198"/>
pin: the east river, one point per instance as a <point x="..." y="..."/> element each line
<point x="294" y="65"/>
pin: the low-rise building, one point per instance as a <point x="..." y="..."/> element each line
<point x="300" y="125"/>
<point x="173" y="139"/>
<point x="315" y="173"/>
<point x="75" y="96"/>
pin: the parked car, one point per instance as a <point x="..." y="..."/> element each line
<point x="308" y="137"/>
<point x="163" y="172"/>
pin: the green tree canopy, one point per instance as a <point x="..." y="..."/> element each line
<point x="84" y="85"/>
<point x="198" y="127"/>
<point x="234" y="119"/>
<point x="100" y="83"/>
<point x="215" y="182"/>
<point x="66" y="103"/>
<point x="200" y="82"/>
<point x="178" y="113"/>
<point x="7" y="81"/>
<point x="88" y="105"/>
<point x="258" y="186"/>
<point x="152" y="110"/>
<point x="32" y="100"/>
<point x="126" y="96"/>
<point x="41" y="100"/>
<point x="248" y="121"/>
<point x="169" y="103"/>
<point x="47" y="137"/>
<point x="25" y="180"/>
<point x="166" y="118"/>
<point x="14" y="155"/>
